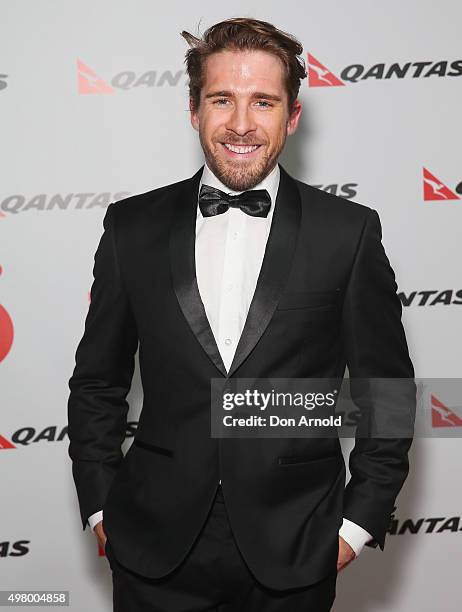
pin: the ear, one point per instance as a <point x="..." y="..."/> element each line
<point x="193" y="115"/>
<point x="294" y="117"/>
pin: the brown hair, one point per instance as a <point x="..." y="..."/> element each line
<point x="242" y="33"/>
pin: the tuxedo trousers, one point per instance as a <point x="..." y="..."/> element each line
<point x="213" y="577"/>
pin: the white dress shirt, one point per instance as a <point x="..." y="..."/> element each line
<point x="229" y="251"/>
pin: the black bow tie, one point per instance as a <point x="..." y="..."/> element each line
<point x="212" y="201"/>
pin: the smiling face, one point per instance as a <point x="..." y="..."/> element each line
<point x="243" y="118"/>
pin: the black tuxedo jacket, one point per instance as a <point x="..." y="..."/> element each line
<point x="325" y="297"/>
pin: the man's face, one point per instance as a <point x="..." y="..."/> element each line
<point x="243" y="102"/>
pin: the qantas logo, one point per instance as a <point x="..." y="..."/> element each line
<point x="5" y="444"/>
<point x="321" y="76"/>
<point x="434" y="189"/>
<point x="345" y="190"/>
<point x="89" y="82"/>
<point x="438" y="524"/>
<point x="431" y="297"/>
<point x="14" y="549"/>
<point x="28" y="435"/>
<point x="442" y="416"/>
<point x="17" y="203"/>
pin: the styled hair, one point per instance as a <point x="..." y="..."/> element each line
<point x="239" y="34"/>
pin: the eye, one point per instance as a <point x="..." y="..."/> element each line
<point x="221" y="102"/>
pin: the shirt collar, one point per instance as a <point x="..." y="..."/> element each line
<point x="270" y="183"/>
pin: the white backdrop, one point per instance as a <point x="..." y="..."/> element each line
<point x="93" y="106"/>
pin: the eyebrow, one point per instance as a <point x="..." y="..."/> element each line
<point x="256" y="94"/>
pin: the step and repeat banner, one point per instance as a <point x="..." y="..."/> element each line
<point x="94" y="108"/>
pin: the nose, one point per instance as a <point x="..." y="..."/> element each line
<point x="241" y="120"/>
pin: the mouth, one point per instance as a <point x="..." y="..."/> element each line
<point x="240" y="151"/>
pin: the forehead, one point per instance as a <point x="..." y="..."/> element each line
<point x="244" y="71"/>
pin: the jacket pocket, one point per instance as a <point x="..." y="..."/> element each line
<point x="152" y="447"/>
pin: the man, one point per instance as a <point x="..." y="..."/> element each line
<point x="239" y="271"/>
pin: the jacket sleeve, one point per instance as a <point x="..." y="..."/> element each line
<point x="104" y="365"/>
<point x="376" y="347"/>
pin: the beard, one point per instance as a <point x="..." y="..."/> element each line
<point x="239" y="175"/>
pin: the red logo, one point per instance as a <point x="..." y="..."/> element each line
<point x="5" y="444"/>
<point x="442" y="416"/>
<point x="434" y="189"/>
<point x="90" y="82"/>
<point x="6" y="331"/>
<point x="320" y="76"/>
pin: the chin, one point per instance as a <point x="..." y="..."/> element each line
<point x="242" y="179"/>
<point x="238" y="176"/>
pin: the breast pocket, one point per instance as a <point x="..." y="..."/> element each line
<point x="313" y="300"/>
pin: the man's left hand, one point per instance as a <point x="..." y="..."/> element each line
<point x="345" y="554"/>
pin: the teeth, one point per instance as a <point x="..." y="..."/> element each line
<point x="240" y="149"/>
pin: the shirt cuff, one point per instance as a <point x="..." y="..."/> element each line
<point x="95" y="518"/>
<point x="354" y="535"/>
